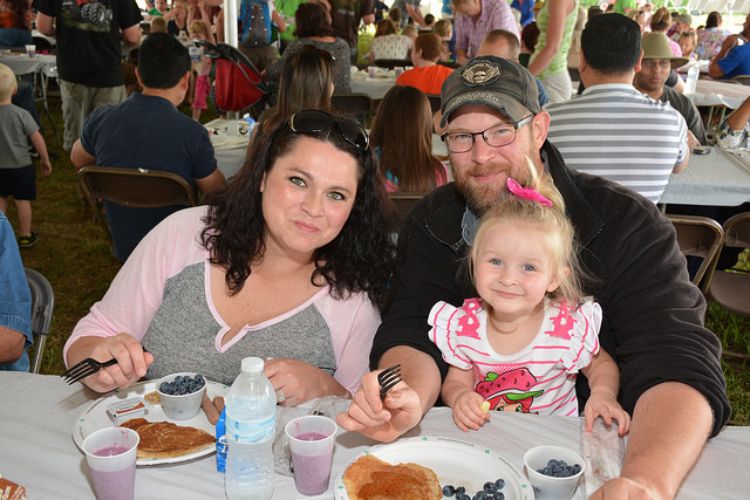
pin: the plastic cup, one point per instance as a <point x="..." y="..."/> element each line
<point x="398" y="70"/>
<point x="311" y="443"/>
<point x="111" y="454"/>
<point x="372" y="71"/>
<point x="31" y="50"/>
<point x="549" y="486"/>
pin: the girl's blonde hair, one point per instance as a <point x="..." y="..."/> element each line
<point x="558" y="233"/>
<point x="198" y="27"/>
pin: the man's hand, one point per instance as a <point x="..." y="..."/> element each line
<point x="382" y="420"/>
<point x="622" y="488"/>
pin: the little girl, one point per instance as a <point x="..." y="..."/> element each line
<point x="199" y="30"/>
<point x="519" y="345"/>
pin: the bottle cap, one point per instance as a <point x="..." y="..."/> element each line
<point x="252" y="365"/>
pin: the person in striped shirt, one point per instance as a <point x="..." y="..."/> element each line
<point x="519" y="346"/>
<point x="612" y="130"/>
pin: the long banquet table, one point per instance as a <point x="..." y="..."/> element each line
<point x="38" y="414"/>
<point x="21" y="64"/>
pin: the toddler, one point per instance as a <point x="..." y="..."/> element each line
<point x="17" y="175"/>
<point x="518" y="346"/>
<point x="199" y="30"/>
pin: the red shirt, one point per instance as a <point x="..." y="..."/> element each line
<point x="428" y="79"/>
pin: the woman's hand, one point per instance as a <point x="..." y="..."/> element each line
<point x="604" y="404"/>
<point x="132" y="360"/>
<point x="299" y="381"/>
<point x="469" y="412"/>
<point x="382" y="420"/>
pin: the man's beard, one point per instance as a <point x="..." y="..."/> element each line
<point x="479" y="199"/>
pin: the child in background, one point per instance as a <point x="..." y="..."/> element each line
<point x="158" y="25"/>
<point x="444" y="29"/>
<point x="688" y="40"/>
<point x="200" y="30"/>
<point x="17" y="174"/>
<point x="519" y="345"/>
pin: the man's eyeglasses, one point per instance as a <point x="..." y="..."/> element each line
<point x="313" y="121"/>
<point x="496" y="136"/>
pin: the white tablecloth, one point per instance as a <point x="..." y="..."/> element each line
<point x="719" y="93"/>
<point x="719" y="178"/>
<point x="21" y="64"/>
<point x="375" y="88"/>
<point x="38" y="413"/>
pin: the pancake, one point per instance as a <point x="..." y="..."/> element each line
<point x="369" y="478"/>
<point x="168" y="440"/>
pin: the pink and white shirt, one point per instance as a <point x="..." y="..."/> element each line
<point x="539" y="378"/>
<point x="470" y="32"/>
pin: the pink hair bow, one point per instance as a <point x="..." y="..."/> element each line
<point x="527" y="193"/>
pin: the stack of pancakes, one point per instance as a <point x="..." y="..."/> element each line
<point x="370" y="478"/>
<point x="168" y="440"/>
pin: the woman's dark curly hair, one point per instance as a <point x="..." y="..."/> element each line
<point x="311" y="19"/>
<point x="359" y="259"/>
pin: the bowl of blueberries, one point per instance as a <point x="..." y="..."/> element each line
<point x="181" y="394"/>
<point x="553" y="471"/>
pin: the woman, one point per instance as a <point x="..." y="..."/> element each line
<point x="387" y="44"/>
<point x="285" y="263"/>
<point x="711" y="38"/>
<point x="660" y="23"/>
<point x="177" y="25"/>
<point x="402" y="139"/>
<point x="313" y="27"/>
<point x="549" y="62"/>
<point x="15" y="23"/>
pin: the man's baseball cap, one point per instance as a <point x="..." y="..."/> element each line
<point x="656" y="46"/>
<point x="491" y="81"/>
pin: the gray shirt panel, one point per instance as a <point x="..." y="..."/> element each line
<point x="16" y="125"/>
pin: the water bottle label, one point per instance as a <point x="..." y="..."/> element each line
<point x="250" y="432"/>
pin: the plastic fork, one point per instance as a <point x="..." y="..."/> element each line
<point x="84" y="368"/>
<point x="388" y="379"/>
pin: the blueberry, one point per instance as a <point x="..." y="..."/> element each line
<point x="462" y="496"/>
<point x="460" y="490"/>
<point x="449" y="490"/>
<point x="499" y="495"/>
<point x="500" y="484"/>
<point x="178" y="378"/>
<point x="576" y="469"/>
<point x="479" y="495"/>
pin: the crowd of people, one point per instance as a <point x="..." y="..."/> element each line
<point x="535" y="242"/>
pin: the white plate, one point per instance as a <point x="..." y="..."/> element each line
<point x="95" y="418"/>
<point x="455" y="462"/>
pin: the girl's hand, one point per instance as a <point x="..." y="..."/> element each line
<point x="605" y="405"/>
<point x="299" y="381"/>
<point x="468" y="411"/>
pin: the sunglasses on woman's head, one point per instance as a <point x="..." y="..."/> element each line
<point x="313" y="121"/>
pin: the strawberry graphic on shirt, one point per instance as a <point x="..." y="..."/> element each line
<point x="509" y="391"/>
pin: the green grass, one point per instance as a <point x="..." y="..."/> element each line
<point x="74" y="254"/>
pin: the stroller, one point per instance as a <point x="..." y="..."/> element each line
<point x="238" y="85"/>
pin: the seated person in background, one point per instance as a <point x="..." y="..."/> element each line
<point x="501" y="43"/>
<point x="128" y="72"/>
<point x="600" y="132"/>
<point x="17" y="172"/>
<point x="402" y="140"/>
<point x="178" y="22"/>
<point x="410" y="32"/>
<point x="444" y="29"/>
<point x="159" y="9"/>
<point x="688" y="41"/>
<point x="733" y="132"/>
<point x="711" y="38"/>
<point x="427" y="75"/>
<point x="429" y="23"/>
<point x="158" y="25"/>
<point x="15" y="304"/>
<point x="734" y="57"/>
<point x="148" y="131"/>
<point x="387" y="44"/>
<point x="529" y="38"/>
<point x="651" y="311"/>
<point x="651" y="79"/>
<point x="286" y="262"/>
<point x="395" y="16"/>
<point x="313" y="27"/>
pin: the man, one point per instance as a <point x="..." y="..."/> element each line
<point x="734" y="56"/>
<point x="409" y="9"/>
<point x="345" y="18"/>
<point x="474" y="19"/>
<point x="526" y="9"/>
<point x="15" y="303"/>
<point x="256" y="19"/>
<point x="611" y="129"/>
<point x="89" y="36"/>
<point x="148" y="131"/>
<point x="652" y="77"/>
<point x="676" y="394"/>
<point x="502" y="43"/>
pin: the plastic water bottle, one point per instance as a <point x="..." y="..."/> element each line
<point x="251" y="416"/>
<point x="692" y="79"/>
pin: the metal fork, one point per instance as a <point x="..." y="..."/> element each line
<point x="84" y="368"/>
<point x="388" y="379"/>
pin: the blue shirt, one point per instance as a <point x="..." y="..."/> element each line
<point x="146" y="132"/>
<point x="526" y="9"/>
<point x="736" y="62"/>
<point x="15" y="298"/>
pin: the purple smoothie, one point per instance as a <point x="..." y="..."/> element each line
<point x="111" y="451"/>
<point x="117" y="485"/>
<point x="312" y="472"/>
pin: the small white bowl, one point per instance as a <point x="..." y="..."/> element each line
<point x="181" y="407"/>
<point x="549" y="486"/>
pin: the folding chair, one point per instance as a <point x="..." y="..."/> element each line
<point x="699" y="237"/>
<point x="42" y="306"/>
<point x="357" y="106"/>
<point x="404" y="203"/>
<point x="731" y="288"/>
<point x="392" y="63"/>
